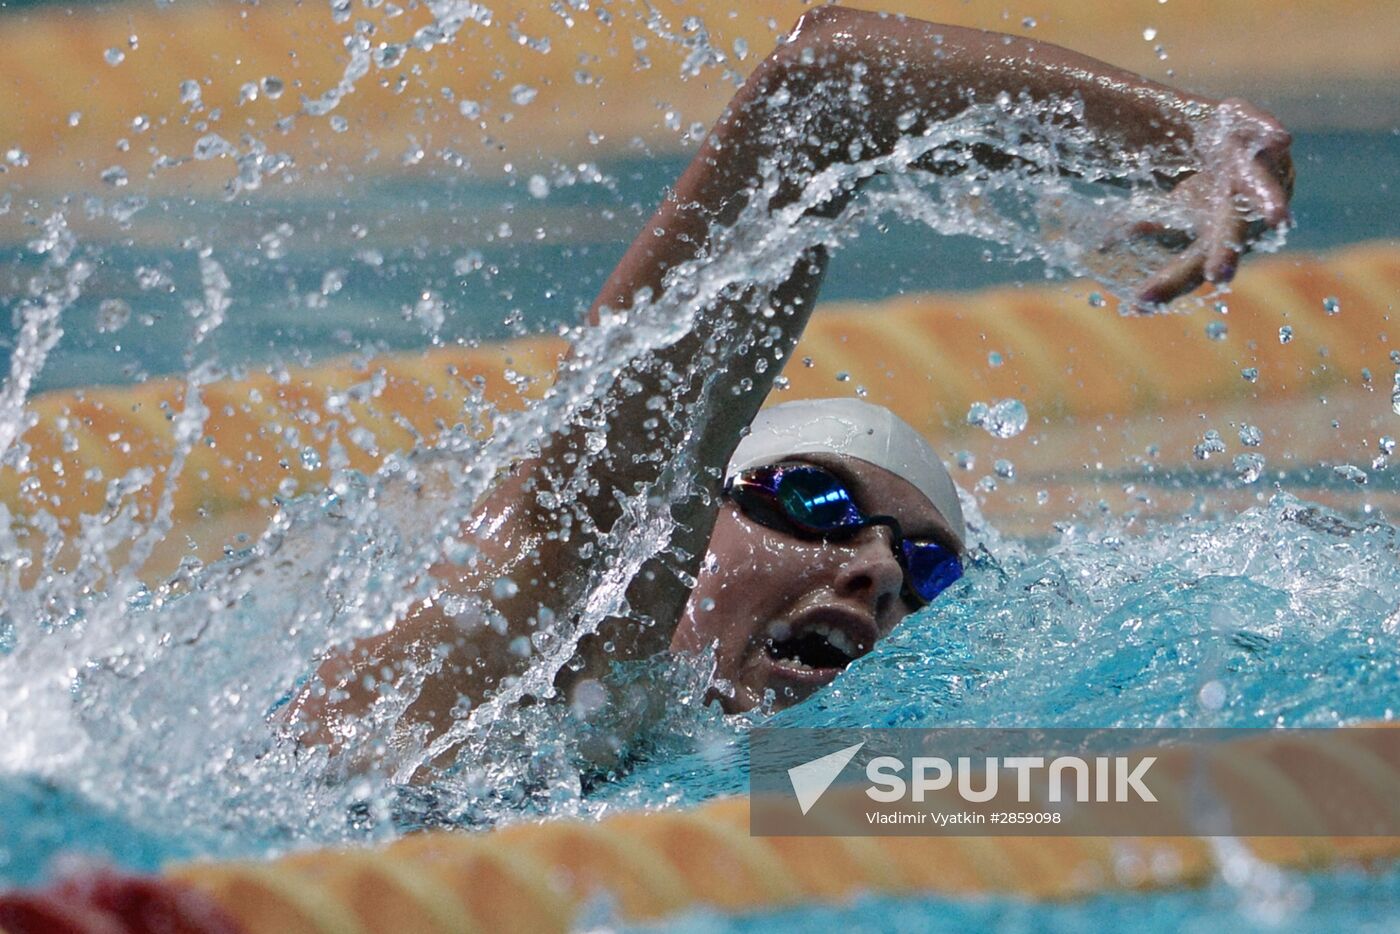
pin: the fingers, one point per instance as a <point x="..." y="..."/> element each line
<point x="1187" y="272"/>
<point x="1224" y="240"/>
<point x="1267" y="194"/>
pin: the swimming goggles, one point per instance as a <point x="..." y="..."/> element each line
<point x="810" y="502"/>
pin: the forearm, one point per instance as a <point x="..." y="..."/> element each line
<point x="846" y="85"/>
<point x="932" y="72"/>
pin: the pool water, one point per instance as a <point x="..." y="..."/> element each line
<point x="1351" y="900"/>
<point x="308" y="283"/>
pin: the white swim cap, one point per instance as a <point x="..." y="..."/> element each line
<point x="867" y="432"/>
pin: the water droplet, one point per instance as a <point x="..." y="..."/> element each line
<point x="522" y="94"/>
<point x="1042" y="497"/>
<point x="1028" y="22"/>
<point x="965" y="460"/>
<point x="1331" y="305"/>
<point x="1095" y="300"/>
<point x="1386" y="444"/>
<point x="114" y="56"/>
<point x="741" y="48"/>
<point x="994" y="359"/>
<point x="587" y="698"/>
<point x="1004" y="469"/>
<point x="1250" y="436"/>
<point x="1149" y="34"/>
<point x="332" y="281"/>
<point x="843" y="377"/>
<point x="1211" y="443"/>
<point x="503" y="588"/>
<point x="112" y="315"/>
<point x="469" y="109"/>
<point x="115" y="176"/>
<point x="1211" y="696"/>
<point x="808" y="362"/>
<point x="212" y="146"/>
<point x="273" y="87"/>
<point x="977" y="413"/>
<point x="1285" y="334"/>
<point x="189" y="91"/>
<point x="389" y="55"/>
<point x="538" y="186"/>
<point x="1006" y="419"/>
<point x="707" y="604"/>
<point x="17" y="157"/>
<point x="75" y="118"/>
<point x="310" y="458"/>
<point x="1249" y="467"/>
<point x="1250" y="373"/>
<point x="1217" y="330"/>
<point x="1349" y="472"/>
<point x="339" y="124"/>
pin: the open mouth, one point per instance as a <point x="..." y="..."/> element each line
<point x="818" y="647"/>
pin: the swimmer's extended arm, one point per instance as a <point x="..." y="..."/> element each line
<point x="853" y="82"/>
<point x="913" y="74"/>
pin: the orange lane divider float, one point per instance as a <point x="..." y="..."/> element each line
<point x="649" y="865"/>
<point x="645" y="866"/>
<point x="122" y="61"/>
<point x="925" y="356"/>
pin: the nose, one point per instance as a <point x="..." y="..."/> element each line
<point x="871" y="574"/>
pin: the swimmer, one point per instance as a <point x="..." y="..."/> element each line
<point x="811" y="536"/>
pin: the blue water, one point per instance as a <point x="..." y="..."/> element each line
<point x="427" y="231"/>
<point x="1289" y="609"/>
<point x="1346" y="900"/>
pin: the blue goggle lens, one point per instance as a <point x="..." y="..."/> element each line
<point x="812" y="501"/>
<point x="817" y="499"/>
<point x="930" y="568"/>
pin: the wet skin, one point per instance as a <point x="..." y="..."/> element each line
<point x="762" y="593"/>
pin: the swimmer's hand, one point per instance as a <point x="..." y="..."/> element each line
<point x="1239" y="193"/>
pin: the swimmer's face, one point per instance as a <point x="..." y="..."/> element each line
<point x="787" y="614"/>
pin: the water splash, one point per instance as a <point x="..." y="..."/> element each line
<point x="159" y="701"/>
